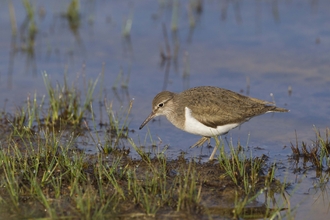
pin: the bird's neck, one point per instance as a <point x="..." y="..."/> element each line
<point x="175" y="114"/>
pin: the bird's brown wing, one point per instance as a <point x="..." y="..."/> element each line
<point x="215" y="106"/>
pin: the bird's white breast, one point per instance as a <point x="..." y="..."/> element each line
<point x="193" y="126"/>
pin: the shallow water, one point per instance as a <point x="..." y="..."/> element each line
<point x="255" y="48"/>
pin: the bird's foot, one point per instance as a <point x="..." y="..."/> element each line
<point x="201" y="142"/>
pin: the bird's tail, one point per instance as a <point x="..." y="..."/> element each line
<point x="277" y="109"/>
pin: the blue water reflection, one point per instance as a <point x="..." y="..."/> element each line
<point x="252" y="47"/>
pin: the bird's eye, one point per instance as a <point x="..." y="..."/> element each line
<point x="160" y="104"/>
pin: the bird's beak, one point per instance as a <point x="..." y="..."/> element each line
<point x="151" y="116"/>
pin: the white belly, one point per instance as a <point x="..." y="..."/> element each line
<point x="193" y="126"/>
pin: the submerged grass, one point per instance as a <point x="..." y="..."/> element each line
<point x="44" y="175"/>
<point x="315" y="155"/>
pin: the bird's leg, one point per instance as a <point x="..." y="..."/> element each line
<point x="201" y="142"/>
<point x="215" y="148"/>
<point x="209" y="142"/>
<point x="213" y="153"/>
